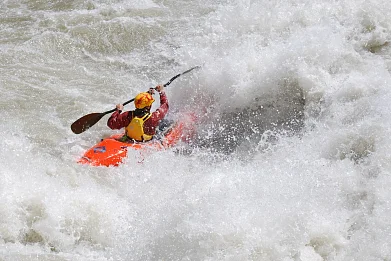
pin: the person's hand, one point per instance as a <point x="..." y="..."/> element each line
<point x="151" y="91"/>
<point x="159" y="88"/>
<point x="119" y="107"/>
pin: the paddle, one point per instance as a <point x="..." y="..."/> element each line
<point x="89" y="120"/>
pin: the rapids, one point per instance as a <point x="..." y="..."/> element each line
<point x="292" y="154"/>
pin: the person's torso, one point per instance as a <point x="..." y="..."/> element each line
<point x="139" y="128"/>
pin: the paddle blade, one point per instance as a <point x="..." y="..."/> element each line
<point x="85" y="122"/>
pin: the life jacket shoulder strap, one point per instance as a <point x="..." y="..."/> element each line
<point x="146" y="116"/>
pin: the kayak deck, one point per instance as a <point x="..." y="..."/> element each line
<point x="112" y="152"/>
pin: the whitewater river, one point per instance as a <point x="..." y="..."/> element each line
<point x="292" y="156"/>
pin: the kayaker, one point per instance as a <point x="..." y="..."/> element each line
<point x="140" y="124"/>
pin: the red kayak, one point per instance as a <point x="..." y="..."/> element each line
<point x="111" y="152"/>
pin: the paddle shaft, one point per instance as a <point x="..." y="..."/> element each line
<point x="166" y="84"/>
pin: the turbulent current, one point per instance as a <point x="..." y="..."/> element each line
<point x="291" y="159"/>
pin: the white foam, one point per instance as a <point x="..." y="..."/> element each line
<point x="294" y="98"/>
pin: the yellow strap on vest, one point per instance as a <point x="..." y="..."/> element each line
<point x="135" y="129"/>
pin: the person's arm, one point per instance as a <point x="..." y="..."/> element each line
<point x="118" y="120"/>
<point x="161" y="112"/>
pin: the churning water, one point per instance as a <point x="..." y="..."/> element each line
<point x="292" y="158"/>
